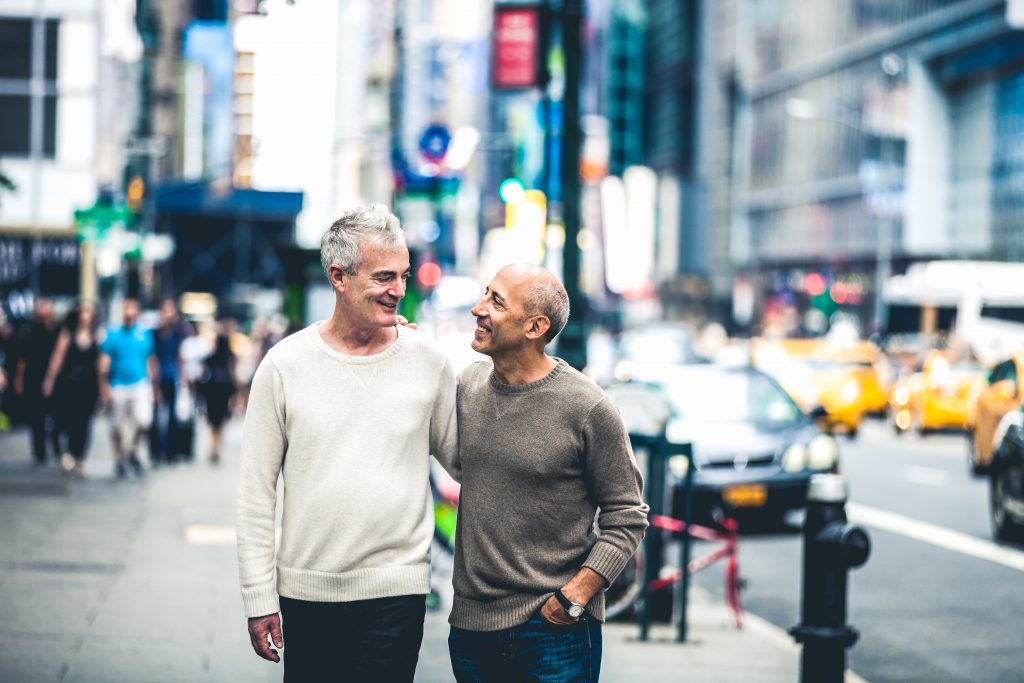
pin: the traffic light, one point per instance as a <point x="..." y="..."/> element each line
<point x="135" y="193"/>
<point x="511" y="190"/>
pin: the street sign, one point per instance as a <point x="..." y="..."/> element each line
<point x="517" y="47"/>
<point x="434" y="142"/>
<point x="145" y="147"/>
<point x="92" y="224"/>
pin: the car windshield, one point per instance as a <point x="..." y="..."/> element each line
<point x="732" y="397"/>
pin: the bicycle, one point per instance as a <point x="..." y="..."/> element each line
<point x="626" y="590"/>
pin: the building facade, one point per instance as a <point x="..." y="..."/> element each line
<point x="873" y="134"/>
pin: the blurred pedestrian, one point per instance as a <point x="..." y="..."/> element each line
<point x="347" y="411"/>
<point x="35" y="346"/>
<point x="541" y="450"/>
<point x="8" y="369"/>
<point x="194" y="350"/>
<point x="168" y="338"/>
<point x="217" y="388"/>
<point x="73" y="382"/>
<point x="248" y="354"/>
<point x="129" y="384"/>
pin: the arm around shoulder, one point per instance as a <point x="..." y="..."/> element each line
<point x="444" y="430"/>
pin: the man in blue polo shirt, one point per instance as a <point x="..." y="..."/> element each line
<point x="130" y="386"/>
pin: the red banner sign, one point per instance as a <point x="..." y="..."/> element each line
<point x="517" y="47"/>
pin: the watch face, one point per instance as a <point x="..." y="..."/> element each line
<point x="576" y="611"/>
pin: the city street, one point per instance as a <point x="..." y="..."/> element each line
<point x="104" y="580"/>
<point x="749" y="221"/>
<point x="936" y="601"/>
<point x="136" y="582"/>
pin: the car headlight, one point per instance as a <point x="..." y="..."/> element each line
<point x="623" y="371"/>
<point x="795" y="458"/>
<point x="822" y="452"/>
<point x="902" y="395"/>
<point x="678" y="464"/>
<point x="850" y="391"/>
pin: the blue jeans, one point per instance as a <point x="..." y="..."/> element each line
<point x="536" y="651"/>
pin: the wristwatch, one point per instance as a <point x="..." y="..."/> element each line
<point x="573" y="609"/>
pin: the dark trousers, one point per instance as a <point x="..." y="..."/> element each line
<point x="372" y="641"/>
<point x="39" y="416"/>
<point x="165" y="424"/>
<point x="75" y="425"/>
<point x="537" y="651"/>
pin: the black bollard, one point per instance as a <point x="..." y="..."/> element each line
<point x="832" y="547"/>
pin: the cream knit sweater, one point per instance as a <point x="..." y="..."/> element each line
<point x="351" y="437"/>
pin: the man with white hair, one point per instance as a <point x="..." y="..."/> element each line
<point x="347" y="411"/>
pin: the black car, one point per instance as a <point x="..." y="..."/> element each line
<point x="1006" y="477"/>
<point x="753" y="449"/>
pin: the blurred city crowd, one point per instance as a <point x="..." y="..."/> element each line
<point x="153" y="372"/>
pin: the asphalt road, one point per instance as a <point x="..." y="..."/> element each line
<point x="936" y="602"/>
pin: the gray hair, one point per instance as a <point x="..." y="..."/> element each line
<point x="546" y="296"/>
<point x="372" y="223"/>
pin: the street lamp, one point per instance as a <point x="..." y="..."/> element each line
<point x="799" y="108"/>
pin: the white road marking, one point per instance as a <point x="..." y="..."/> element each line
<point x="929" y="476"/>
<point x="935" y="535"/>
<point x="210" y="534"/>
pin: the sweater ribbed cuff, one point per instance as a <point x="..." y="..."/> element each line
<point x="259" y="601"/>
<point x="606" y="560"/>
<point x="359" y="584"/>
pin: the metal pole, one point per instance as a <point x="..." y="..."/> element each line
<point x="892" y="66"/>
<point x="572" y="345"/>
<point x="653" y="541"/>
<point x="682" y="598"/>
<point x="139" y="162"/>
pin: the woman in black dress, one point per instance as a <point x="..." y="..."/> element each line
<point x="72" y="378"/>
<point x="217" y="388"/>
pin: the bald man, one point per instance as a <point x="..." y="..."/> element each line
<point x="541" y="450"/>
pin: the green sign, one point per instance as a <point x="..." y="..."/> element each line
<point x="92" y="224"/>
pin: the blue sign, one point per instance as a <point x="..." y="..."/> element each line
<point x="434" y="142"/>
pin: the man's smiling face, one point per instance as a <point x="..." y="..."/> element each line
<point x="371" y="295"/>
<point x="500" y="322"/>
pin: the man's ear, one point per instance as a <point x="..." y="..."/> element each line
<point x="337" y="276"/>
<point x="539" y="325"/>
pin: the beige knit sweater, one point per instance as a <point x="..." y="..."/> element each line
<point x="351" y="436"/>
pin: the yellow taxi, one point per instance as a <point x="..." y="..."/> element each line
<point x="1000" y="392"/>
<point x="841" y="380"/>
<point x="866" y="363"/>
<point x="935" y="395"/>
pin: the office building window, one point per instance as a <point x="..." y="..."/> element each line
<point x="22" y="108"/>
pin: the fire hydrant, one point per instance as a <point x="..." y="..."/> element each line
<point x="832" y="546"/>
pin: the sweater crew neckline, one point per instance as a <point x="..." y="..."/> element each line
<point x="320" y="343"/>
<point x="560" y="367"/>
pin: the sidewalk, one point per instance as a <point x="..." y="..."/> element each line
<point x="135" y="581"/>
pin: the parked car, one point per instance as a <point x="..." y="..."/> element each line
<point x="1006" y="479"/>
<point x="1001" y="392"/>
<point x="935" y="395"/>
<point x="754" y="450"/>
